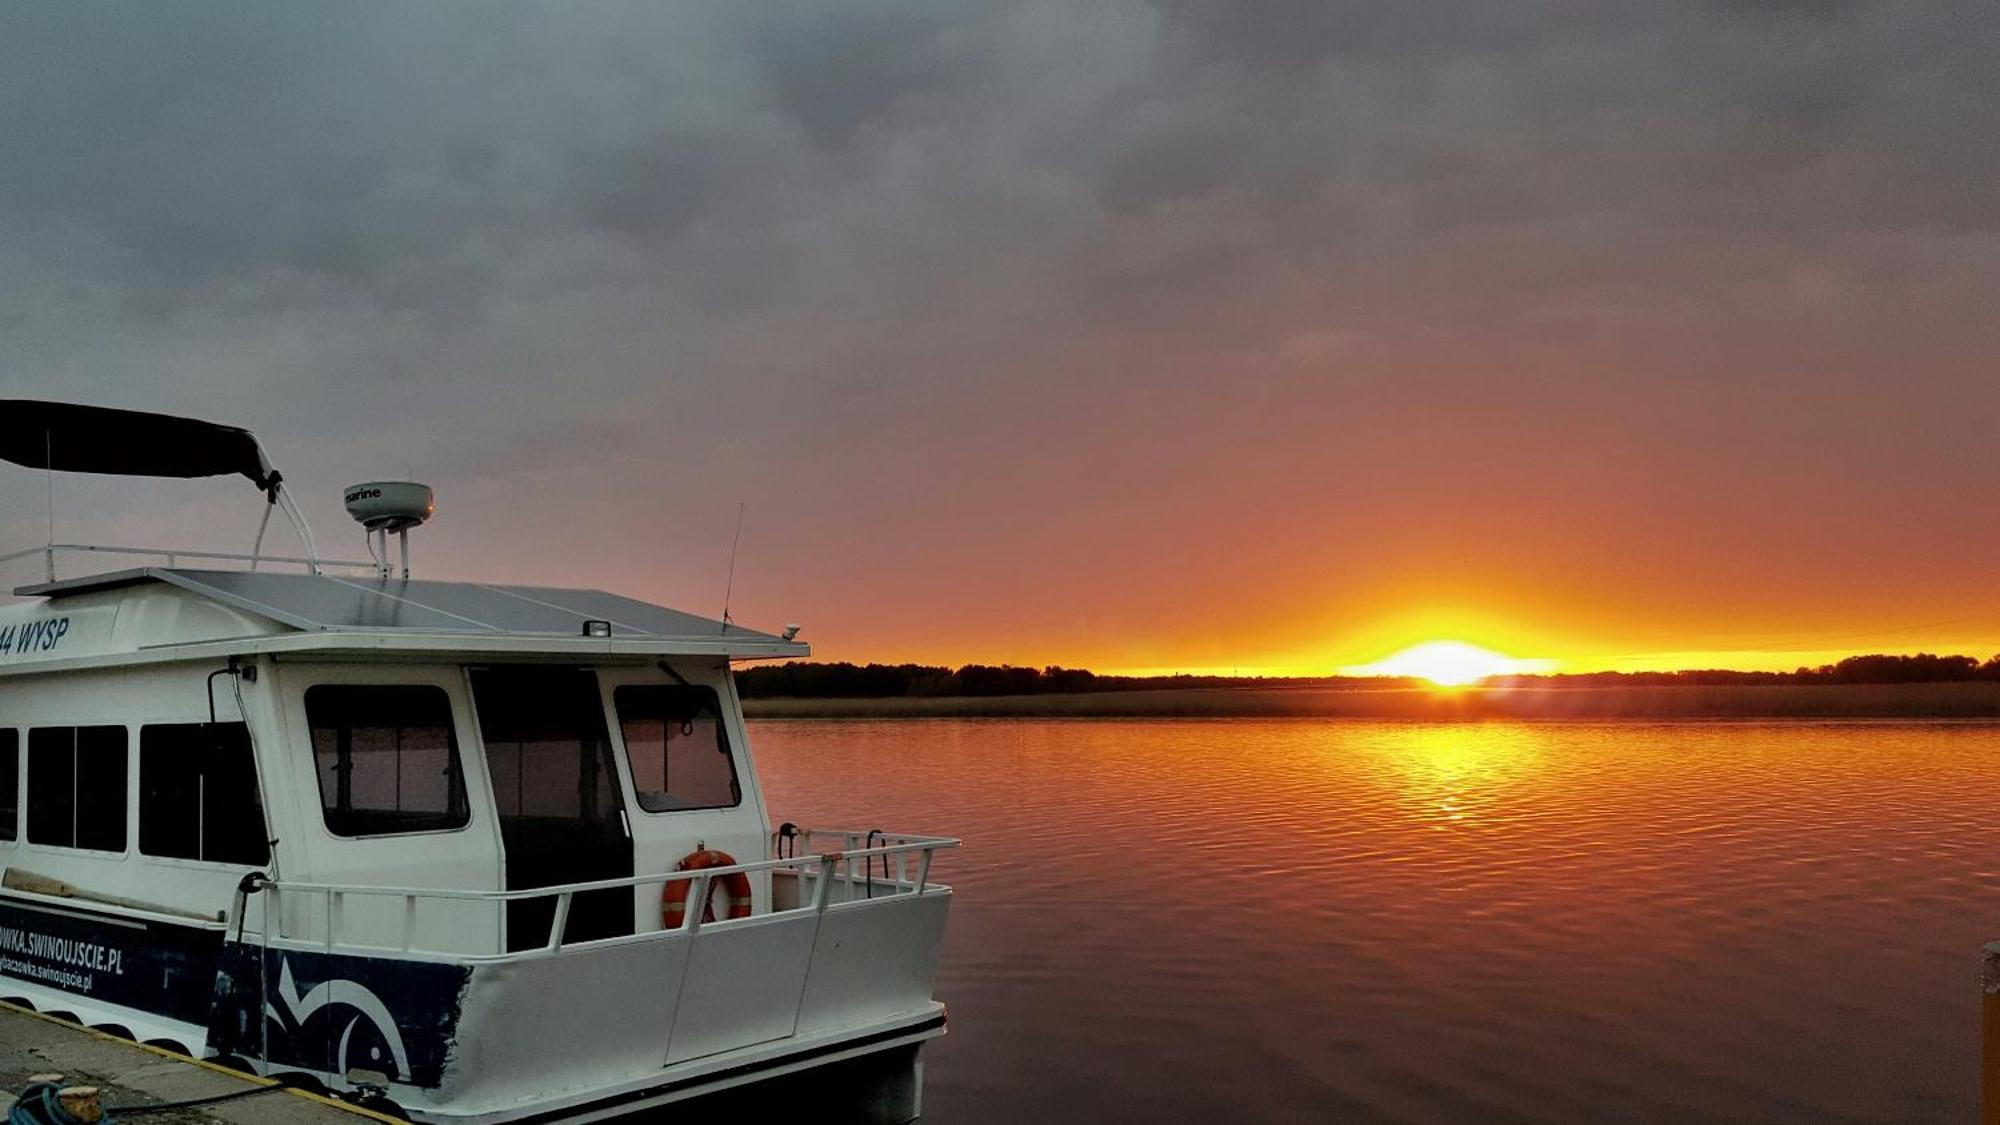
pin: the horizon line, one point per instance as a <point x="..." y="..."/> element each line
<point x="1292" y="673"/>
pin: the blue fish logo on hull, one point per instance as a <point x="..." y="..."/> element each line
<point x="328" y="1013"/>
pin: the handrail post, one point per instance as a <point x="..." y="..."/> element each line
<point x="823" y="886"/>
<point x="335" y="904"/>
<point x="559" y="925"/>
<point x="697" y="905"/>
<point x="409" y="921"/>
<point x="675" y="882"/>
<point x="924" y="866"/>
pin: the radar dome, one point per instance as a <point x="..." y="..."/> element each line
<point x="390" y="505"/>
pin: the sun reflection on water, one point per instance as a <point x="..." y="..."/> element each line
<point x="1458" y="774"/>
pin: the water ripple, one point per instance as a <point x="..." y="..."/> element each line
<point x="1312" y="921"/>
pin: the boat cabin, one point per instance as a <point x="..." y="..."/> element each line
<point x="419" y="839"/>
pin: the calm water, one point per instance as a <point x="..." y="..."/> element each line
<point x="1310" y="921"/>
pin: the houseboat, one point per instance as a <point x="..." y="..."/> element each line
<point x="481" y="852"/>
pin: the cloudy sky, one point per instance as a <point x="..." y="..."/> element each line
<point x="1193" y="334"/>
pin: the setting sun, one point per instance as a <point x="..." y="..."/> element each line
<point x="1448" y="664"/>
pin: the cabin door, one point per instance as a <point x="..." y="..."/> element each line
<point x="555" y="784"/>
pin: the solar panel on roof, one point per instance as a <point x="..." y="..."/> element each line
<point x="327" y="603"/>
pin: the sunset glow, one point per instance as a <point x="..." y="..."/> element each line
<point x="1448" y="664"/>
<point x="1236" y="388"/>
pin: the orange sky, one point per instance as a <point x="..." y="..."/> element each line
<point x="1274" y="540"/>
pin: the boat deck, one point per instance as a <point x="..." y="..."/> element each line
<point x="129" y="1074"/>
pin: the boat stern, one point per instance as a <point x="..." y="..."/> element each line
<point x="839" y="970"/>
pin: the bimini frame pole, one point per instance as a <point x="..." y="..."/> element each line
<point x="300" y="526"/>
<point x="263" y="525"/>
<point x="280" y="497"/>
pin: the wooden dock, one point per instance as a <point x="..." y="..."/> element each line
<point x="131" y="1074"/>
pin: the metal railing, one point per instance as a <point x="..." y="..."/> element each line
<point x="173" y="556"/>
<point x="861" y="845"/>
<point x="822" y="870"/>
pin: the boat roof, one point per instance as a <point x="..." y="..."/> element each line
<point x="317" y="612"/>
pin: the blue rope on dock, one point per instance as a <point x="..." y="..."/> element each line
<point x="38" y="1105"/>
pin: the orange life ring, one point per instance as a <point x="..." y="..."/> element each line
<point x="674" y="896"/>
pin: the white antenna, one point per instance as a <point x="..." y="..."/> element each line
<point x="729" y="585"/>
<point x="49" y="473"/>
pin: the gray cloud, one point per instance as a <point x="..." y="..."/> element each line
<point x="853" y="260"/>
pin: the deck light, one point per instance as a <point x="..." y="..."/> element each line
<point x="594" y="628"/>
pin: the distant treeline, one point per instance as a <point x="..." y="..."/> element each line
<point x="1923" y="668"/>
<point x="881" y="681"/>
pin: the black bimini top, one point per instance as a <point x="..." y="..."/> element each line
<point x="68" y="437"/>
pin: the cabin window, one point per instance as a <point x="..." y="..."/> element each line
<point x="198" y="794"/>
<point x="387" y="759"/>
<point x="546" y="745"/>
<point x="10" y="785"/>
<point x="674" y="738"/>
<point x="76" y="787"/>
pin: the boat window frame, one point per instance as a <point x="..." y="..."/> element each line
<point x="377" y="676"/>
<point x="612" y="745"/>
<point x="718" y="677"/>
<point x="737" y="766"/>
<point x="129" y="797"/>
<point x="138" y="753"/>
<point x="18" y="830"/>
